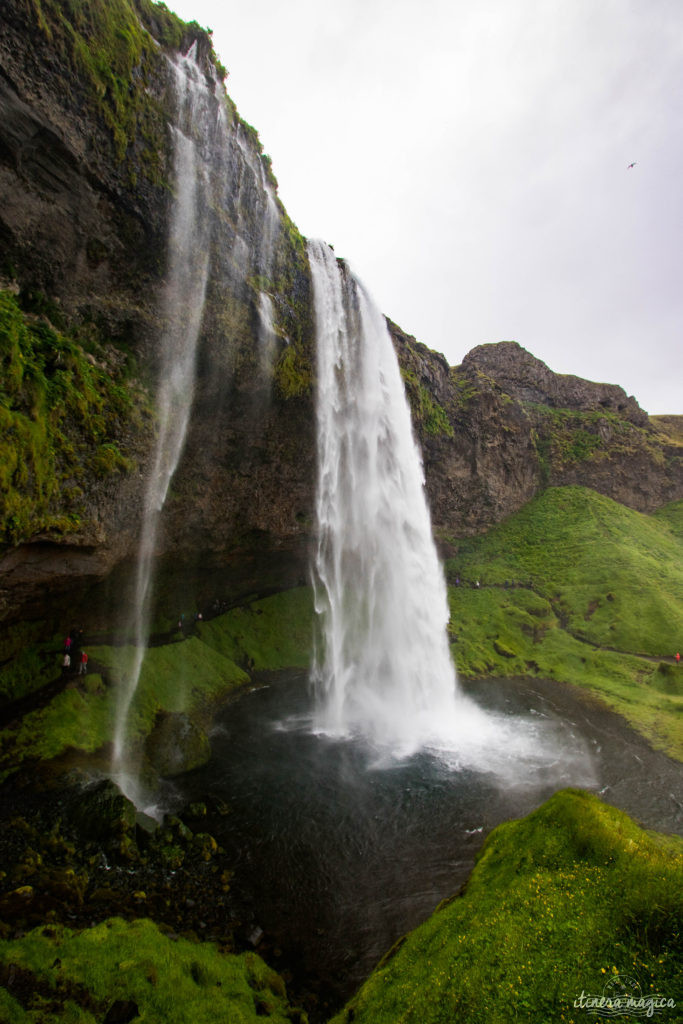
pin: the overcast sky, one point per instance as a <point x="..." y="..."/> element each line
<point x="470" y="159"/>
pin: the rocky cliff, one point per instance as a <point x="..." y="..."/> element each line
<point x="502" y="426"/>
<point x="87" y="115"/>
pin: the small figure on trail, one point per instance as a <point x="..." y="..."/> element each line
<point x="66" y="663"/>
<point x="83" y="666"/>
<point x="678" y="657"/>
<point x="457" y="581"/>
<point x="477" y="584"/>
<point x="67" y="643"/>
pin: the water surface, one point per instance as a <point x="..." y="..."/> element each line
<point x="339" y="851"/>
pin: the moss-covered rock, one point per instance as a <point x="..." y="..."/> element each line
<point x="103" y="813"/>
<point x="65" y="416"/>
<point x="562" y="902"/>
<point x="176" y="744"/>
<point x="576" y="587"/>
<point x="98" y="973"/>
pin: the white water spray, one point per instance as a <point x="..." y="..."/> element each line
<point x="385" y="669"/>
<point x="182" y="314"/>
<point x="215" y="168"/>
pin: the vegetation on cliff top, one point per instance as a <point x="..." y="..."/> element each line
<point x="64" y="418"/>
<point x="576" y="587"/>
<point x="566" y="901"/>
<point x="105" y="43"/>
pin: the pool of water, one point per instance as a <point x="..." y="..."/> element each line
<point x="339" y="849"/>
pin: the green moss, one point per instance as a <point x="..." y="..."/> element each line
<point x="73" y="719"/>
<point x="107" y="46"/>
<point x="565" y="437"/>
<point x="431" y="416"/>
<point x="78" y="976"/>
<point x="185" y="677"/>
<point x="559" y="903"/>
<point x="293" y="372"/>
<point x="31" y="669"/>
<point x="578" y="588"/>
<point x="30" y="657"/>
<point x="672" y="515"/>
<point x="189" y="676"/>
<point x="62" y="413"/>
<point x="465" y="389"/>
<point x="273" y="633"/>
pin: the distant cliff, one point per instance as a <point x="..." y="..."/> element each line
<point x="86" y="188"/>
<point x="502" y="426"/>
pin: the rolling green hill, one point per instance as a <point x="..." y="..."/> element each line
<point x="580" y="588"/>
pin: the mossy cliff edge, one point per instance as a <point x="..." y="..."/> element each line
<point x="87" y="99"/>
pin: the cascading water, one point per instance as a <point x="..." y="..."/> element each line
<point x="215" y="168"/>
<point x="182" y="315"/>
<point x="385" y="669"/>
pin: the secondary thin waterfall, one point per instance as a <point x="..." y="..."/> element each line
<point x="182" y="315"/>
<point x="384" y="669"/>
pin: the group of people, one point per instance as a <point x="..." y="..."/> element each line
<point x="74" y="655"/>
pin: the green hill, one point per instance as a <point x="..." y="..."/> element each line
<point x="580" y="588"/>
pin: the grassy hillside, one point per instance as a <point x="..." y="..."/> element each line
<point x="569" y="900"/>
<point x="580" y="588"/>
<point x="191" y="676"/>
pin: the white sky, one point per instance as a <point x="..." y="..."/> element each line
<point x="470" y="159"/>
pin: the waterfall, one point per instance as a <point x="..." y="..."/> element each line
<point x="182" y="311"/>
<point x="219" y="181"/>
<point x="384" y="669"/>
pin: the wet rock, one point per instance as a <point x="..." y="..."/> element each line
<point x="103" y="813"/>
<point x="146" y="823"/>
<point x="176" y="745"/>
<point x="180" y="829"/>
<point x="205" y="846"/>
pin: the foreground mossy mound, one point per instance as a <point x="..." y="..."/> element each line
<point x="578" y="588"/>
<point x="563" y="902"/>
<point x="132" y="971"/>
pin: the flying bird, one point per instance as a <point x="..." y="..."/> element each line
<point x="631" y="165"/>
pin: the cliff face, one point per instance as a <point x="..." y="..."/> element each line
<point x="87" y="115"/>
<point x="86" y="193"/>
<point x="501" y="426"/>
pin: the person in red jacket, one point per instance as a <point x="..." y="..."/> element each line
<point x="83" y="667"/>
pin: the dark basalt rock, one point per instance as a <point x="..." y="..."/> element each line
<point x="525" y="378"/>
<point x="515" y="427"/>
